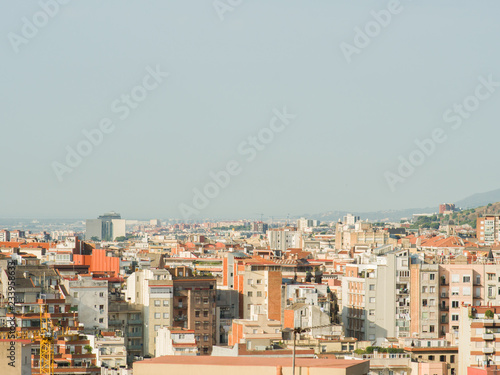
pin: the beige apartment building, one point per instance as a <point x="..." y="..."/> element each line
<point x="424" y="301"/>
<point x="153" y="290"/>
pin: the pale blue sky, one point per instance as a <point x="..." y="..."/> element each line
<point x="353" y="120"/>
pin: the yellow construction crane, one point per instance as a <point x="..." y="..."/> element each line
<point x="46" y="338"/>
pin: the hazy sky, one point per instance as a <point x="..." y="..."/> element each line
<point x="226" y="76"/>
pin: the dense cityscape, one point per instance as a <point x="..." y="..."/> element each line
<point x="419" y="296"/>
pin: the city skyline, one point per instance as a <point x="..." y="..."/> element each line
<point x="167" y="103"/>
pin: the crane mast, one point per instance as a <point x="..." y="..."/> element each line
<point x="46" y="342"/>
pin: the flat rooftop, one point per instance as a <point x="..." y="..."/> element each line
<point x="249" y="361"/>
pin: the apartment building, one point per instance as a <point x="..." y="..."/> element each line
<point x="4" y="235"/>
<point x="255" y="333"/>
<point x="194" y="308"/>
<point x="176" y="342"/>
<point x="154" y="291"/>
<point x="110" y="350"/>
<point x="361" y="233"/>
<point x="127" y="319"/>
<point x="459" y="284"/>
<point x="426" y="314"/>
<point x="90" y="298"/>
<point x="488" y="229"/>
<point x="281" y="239"/>
<point x="371" y="291"/>
<point x="479" y="337"/>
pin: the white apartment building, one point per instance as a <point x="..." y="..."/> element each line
<point x="284" y="238"/>
<point x="91" y="298"/>
<point x="175" y="342"/>
<point x="375" y="297"/>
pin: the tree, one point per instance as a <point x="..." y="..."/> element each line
<point x="88" y="348"/>
<point x="489" y="314"/>
<point x="121" y="239"/>
<point x="94" y="238"/>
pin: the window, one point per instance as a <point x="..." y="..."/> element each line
<point x="454" y="304"/>
<point x="250" y="282"/>
<point x="466" y="291"/>
<point x="165" y="302"/>
<point x="372" y="312"/>
<point x="166" y="315"/>
<point x="425" y="315"/>
<point x="157" y="302"/>
<point x="157" y="315"/>
<point x="254" y="331"/>
<point x="491" y="276"/>
<point x="431" y="328"/>
<point x="372" y="287"/>
<point x="259" y="294"/>
<point x="452" y="358"/>
<point x="259" y="281"/>
<point x="372" y="299"/>
<point x="432" y="302"/>
<point x="101" y="320"/>
<point x="205" y="313"/>
<point x="454" y="291"/>
<point x="424" y="302"/>
<point x="454" y="317"/>
<point x="157" y="327"/>
<point x="197" y="300"/>
<point x="442" y="358"/>
<point x="466" y="279"/>
<point x="432" y="276"/>
<point x="424" y="289"/>
<point x="75" y="295"/>
<point x="455" y="278"/>
<point x="432" y="289"/>
<point x="101" y="294"/>
<point x="205" y="300"/>
<point x="205" y="338"/>
<point x="197" y="313"/>
<point x="431" y="358"/>
<point x="250" y="294"/>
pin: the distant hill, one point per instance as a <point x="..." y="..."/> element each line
<point x="479" y="199"/>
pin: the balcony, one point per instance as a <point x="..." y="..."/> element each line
<point x="488" y="350"/>
<point x="134" y="347"/>
<point x="134" y="334"/>
<point x="444" y="308"/>
<point x="134" y="321"/>
<point x="488" y="336"/>
<point x="180" y="318"/>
